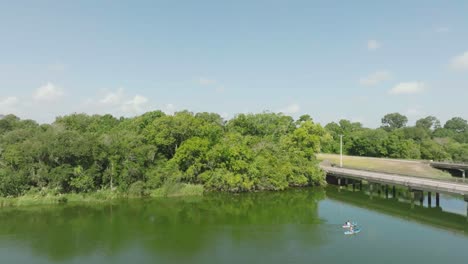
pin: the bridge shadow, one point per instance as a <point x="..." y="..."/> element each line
<point x="433" y="216"/>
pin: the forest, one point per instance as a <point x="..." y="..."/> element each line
<point x="427" y="139"/>
<point x="79" y="153"/>
<point x="82" y="153"/>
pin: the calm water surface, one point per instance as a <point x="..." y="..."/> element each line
<point x="298" y="226"/>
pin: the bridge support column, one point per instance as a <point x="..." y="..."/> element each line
<point x="466" y="200"/>
<point x="386" y="191"/>
<point x="419" y="194"/>
<point x="371" y="190"/>
<point x="429" y="199"/>
<point x="412" y="198"/>
<point x="360" y="185"/>
<point x="393" y="192"/>
<point x="339" y="181"/>
<point x="437" y="200"/>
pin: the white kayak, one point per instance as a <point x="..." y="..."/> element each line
<point x="352" y="232"/>
<point x="348" y="226"/>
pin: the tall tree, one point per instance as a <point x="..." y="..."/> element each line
<point x="457" y="124"/>
<point x="428" y="123"/>
<point x="394" y="121"/>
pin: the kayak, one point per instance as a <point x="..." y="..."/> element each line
<point x="348" y="226"/>
<point x="352" y="232"/>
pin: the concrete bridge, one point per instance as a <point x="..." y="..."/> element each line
<point x="402" y="180"/>
<point x="416" y="185"/>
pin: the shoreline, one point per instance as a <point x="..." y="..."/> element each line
<point x="100" y="196"/>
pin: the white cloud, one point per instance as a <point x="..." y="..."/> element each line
<point x="135" y="105"/>
<point x="460" y="62"/>
<point x="408" y="88"/>
<point x="290" y="109"/>
<point x="113" y="98"/>
<point x="206" y="81"/>
<point x="117" y="103"/>
<point x="441" y="29"/>
<point x="48" y="92"/>
<point x="373" y="44"/>
<point x="375" y="78"/>
<point x="8" y="105"/>
<point x="169" y="109"/>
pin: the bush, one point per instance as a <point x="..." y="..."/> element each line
<point x="137" y="189"/>
<point x="62" y="200"/>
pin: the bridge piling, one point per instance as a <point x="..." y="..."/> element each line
<point x="412" y="198"/>
<point x="437" y="199"/>
<point x="393" y="192"/>
<point x="465" y="197"/>
<point x="429" y="199"/>
<point x="386" y="191"/>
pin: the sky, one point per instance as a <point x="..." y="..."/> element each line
<point x="357" y="60"/>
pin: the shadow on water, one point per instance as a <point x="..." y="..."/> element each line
<point x="165" y="227"/>
<point x="401" y="207"/>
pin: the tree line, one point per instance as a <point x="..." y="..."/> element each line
<point x="267" y="151"/>
<point x="427" y="139"/>
<point x="82" y="153"/>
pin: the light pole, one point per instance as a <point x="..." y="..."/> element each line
<point x="341" y="151"/>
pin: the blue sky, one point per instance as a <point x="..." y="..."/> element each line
<point x="331" y="59"/>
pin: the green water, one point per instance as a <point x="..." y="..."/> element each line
<point x="298" y="226"/>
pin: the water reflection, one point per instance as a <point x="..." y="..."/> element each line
<point x="165" y="228"/>
<point x="402" y="206"/>
<point x="300" y="226"/>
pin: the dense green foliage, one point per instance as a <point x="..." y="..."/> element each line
<point x="426" y="140"/>
<point x="80" y="153"/>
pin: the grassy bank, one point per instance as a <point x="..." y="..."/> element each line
<point x="403" y="167"/>
<point x="178" y="190"/>
<point x="100" y="196"/>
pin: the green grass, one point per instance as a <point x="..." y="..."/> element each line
<point x="177" y="190"/>
<point x="38" y="198"/>
<point x="403" y="167"/>
<point x="100" y="196"/>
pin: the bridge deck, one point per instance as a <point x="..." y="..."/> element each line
<point x="446" y="165"/>
<point x="411" y="182"/>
